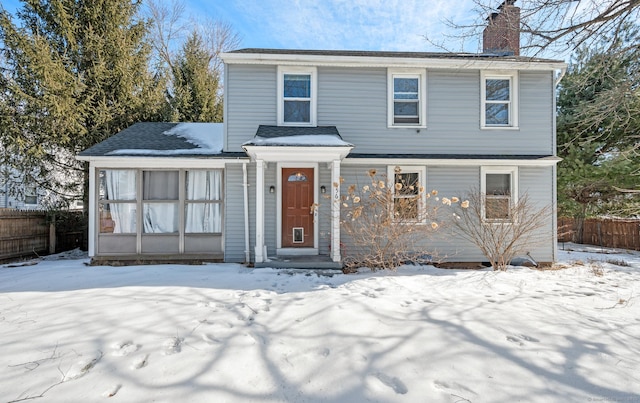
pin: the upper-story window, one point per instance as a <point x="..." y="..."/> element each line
<point x="407" y="98"/>
<point x="297" y="94"/>
<point x="499" y="100"/>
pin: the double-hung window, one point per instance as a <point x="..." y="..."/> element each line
<point x="30" y="195"/>
<point x="297" y="95"/>
<point x="408" y="193"/>
<point x="499" y="100"/>
<point x="499" y="190"/>
<point x="406" y="98"/>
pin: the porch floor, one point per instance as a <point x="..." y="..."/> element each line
<point x="300" y="262"/>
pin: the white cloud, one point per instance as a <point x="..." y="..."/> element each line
<point x="354" y="24"/>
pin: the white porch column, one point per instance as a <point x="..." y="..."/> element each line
<point x="259" y="248"/>
<point x="335" y="211"/>
<point x="93" y="207"/>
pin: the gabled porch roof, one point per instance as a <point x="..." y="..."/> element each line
<point x="289" y="143"/>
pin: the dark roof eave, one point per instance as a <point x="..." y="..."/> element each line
<point x="390" y="54"/>
<point x="450" y="156"/>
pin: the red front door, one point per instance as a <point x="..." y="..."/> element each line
<point x="297" y="212"/>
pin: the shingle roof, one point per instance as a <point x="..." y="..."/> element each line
<point x="317" y="136"/>
<point x="391" y="54"/>
<point x="284" y="131"/>
<point x="161" y="139"/>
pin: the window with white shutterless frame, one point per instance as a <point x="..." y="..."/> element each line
<point x="499" y="98"/>
<point x="407" y="98"/>
<point x="407" y="187"/>
<point x="297" y="96"/>
<point x="499" y="186"/>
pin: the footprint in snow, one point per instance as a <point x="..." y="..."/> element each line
<point x="518" y="339"/>
<point x="514" y="339"/>
<point x="394" y="383"/>
<point x="207" y="338"/>
<point x="140" y="362"/>
<point x="172" y="345"/>
<point x="325" y="352"/>
<point x="82" y="366"/>
<point x="111" y="392"/>
<point x="123" y="348"/>
<point x="452" y="387"/>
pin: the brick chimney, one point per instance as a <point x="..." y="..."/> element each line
<point x="502" y="33"/>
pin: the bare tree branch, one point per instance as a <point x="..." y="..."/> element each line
<point x="554" y="26"/>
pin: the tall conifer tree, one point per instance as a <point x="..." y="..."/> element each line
<point x="73" y="73"/>
<point x="196" y="95"/>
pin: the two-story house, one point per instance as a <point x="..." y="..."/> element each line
<point x="297" y="121"/>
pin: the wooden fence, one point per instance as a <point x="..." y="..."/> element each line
<point x="612" y="233"/>
<point x="31" y="233"/>
<point x="23" y="233"/>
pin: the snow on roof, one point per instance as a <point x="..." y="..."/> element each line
<point x="316" y="140"/>
<point x="207" y="136"/>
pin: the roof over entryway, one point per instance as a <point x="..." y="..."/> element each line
<point x="292" y="143"/>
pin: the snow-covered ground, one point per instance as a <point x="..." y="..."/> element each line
<point x="224" y="333"/>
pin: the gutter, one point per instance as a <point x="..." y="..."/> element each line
<point x="563" y="71"/>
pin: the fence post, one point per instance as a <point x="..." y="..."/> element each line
<point x="52" y="235"/>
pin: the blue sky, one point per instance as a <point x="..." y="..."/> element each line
<point x="336" y="24"/>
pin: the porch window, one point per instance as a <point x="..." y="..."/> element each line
<point x="160" y="201"/>
<point x="203" y="205"/>
<point x="117" y="201"/>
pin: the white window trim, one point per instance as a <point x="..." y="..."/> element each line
<point x="513" y="171"/>
<point x="28" y="193"/>
<point x="421" y="75"/>
<point x="313" y="116"/>
<point x="514" y="110"/>
<point x="422" y="177"/>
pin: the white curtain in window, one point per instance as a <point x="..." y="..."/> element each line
<point x="160" y="218"/>
<point x="121" y="185"/>
<point x="203" y="217"/>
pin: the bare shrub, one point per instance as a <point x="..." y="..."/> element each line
<point x="389" y="219"/>
<point x="595" y="267"/>
<point x="511" y="229"/>
<point x="618" y="262"/>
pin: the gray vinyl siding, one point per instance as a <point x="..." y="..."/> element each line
<point x="234" y="212"/>
<point x="250" y="101"/>
<point x="358" y="176"/>
<point x="355" y="101"/>
<point x="324" y="209"/>
<point x="451" y="181"/>
<point x="537" y="183"/>
<point x="270" y="209"/>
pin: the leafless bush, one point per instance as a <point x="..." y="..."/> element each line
<point x="595" y="267"/>
<point x="389" y="220"/>
<point x="501" y="228"/>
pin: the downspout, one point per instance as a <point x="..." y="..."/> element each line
<point x="245" y="185"/>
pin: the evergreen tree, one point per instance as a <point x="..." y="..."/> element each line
<point x="598" y="126"/>
<point x="74" y="73"/>
<point x="193" y="66"/>
<point x="196" y="96"/>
